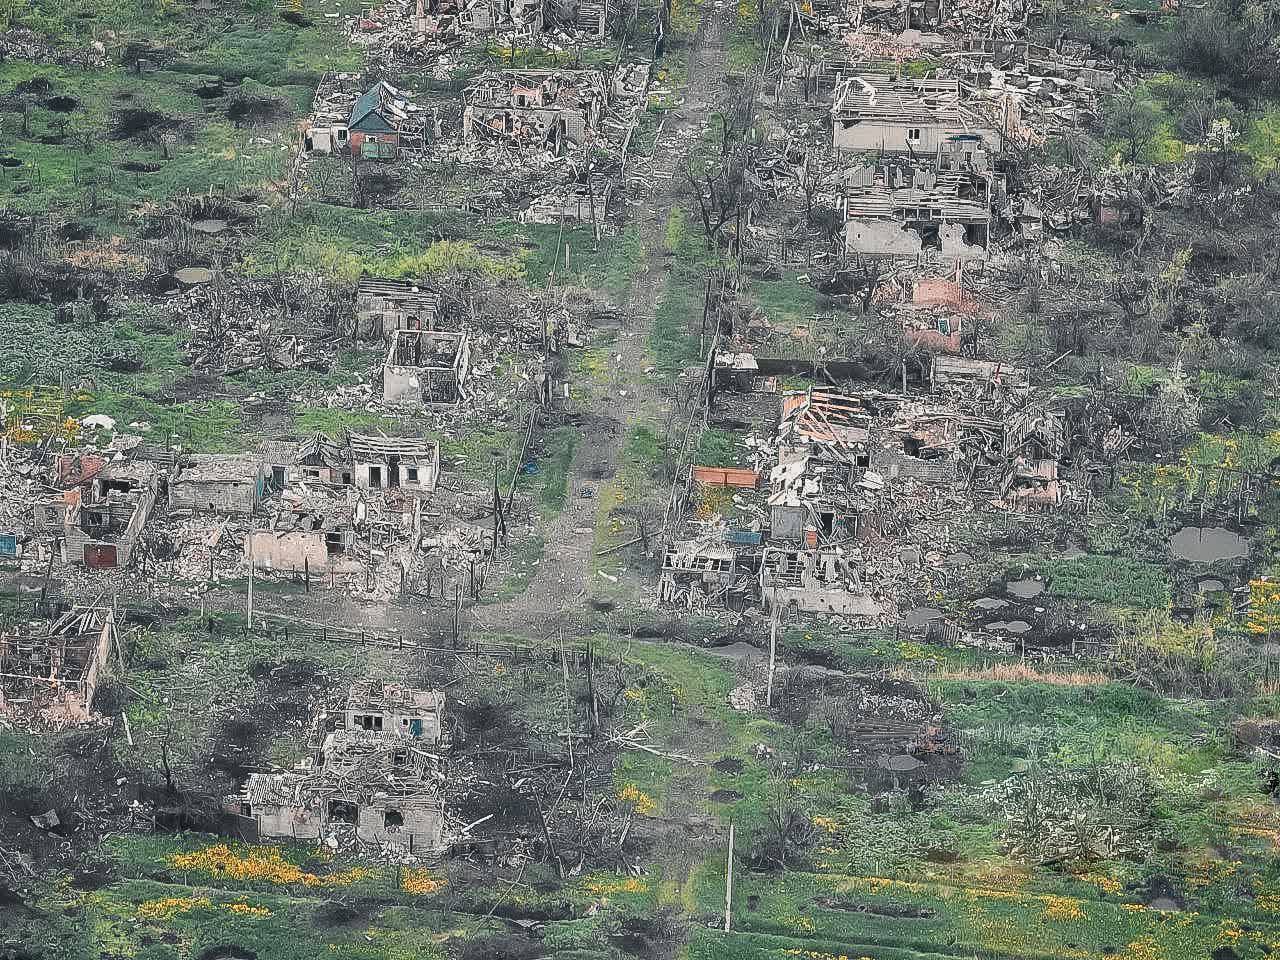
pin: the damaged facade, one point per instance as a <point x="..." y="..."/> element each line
<point x="884" y="114"/>
<point x="553" y="110"/>
<point x="426" y="367"/>
<point x="99" y="507"/>
<point x="384" y="306"/>
<point x="217" y="483"/>
<point x="378" y="772"/>
<point x="377" y="124"/>
<point x="407" y="464"/>
<point x="900" y="207"/>
<point x="54" y="674"/>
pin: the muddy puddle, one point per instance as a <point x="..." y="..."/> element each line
<point x="1025" y="589"/>
<point x="190" y="276"/>
<point x="1208" y="544"/>
<point x="210" y="226"/>
<point x="1010" y="626"/>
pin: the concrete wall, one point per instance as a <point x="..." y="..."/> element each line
<point x="884" y="237"/>
<point x="422" y="829"/>
<point x="405" y="384"/>
<point x="283" y="822"/>
<point x="820" y="600"/>
<point x="293" y="551"/>
<point x="428" y="473"/>
<point x="215" y="496"/>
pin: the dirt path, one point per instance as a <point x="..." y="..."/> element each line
<point x="556" y="594"/>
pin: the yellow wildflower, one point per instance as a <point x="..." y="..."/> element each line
<point x="420" y="883"/>
<point x="641" y="802"/>
<point x="610" y="885"/>
<point x="1062" y="908"/>
<point x="261" y="863"/>
<point x="248" y="910"/>
<point x="169" y="907"/>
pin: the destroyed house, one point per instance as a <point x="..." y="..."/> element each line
<point x="900" y="15"/>
<point x="823" y="451"/>
<point x="593" y="18"/>
<point x="385" y="306"/>
<point x="545" y="109"/>
<point x="382" y="121"/>
<point x="310" y="532"/>
<point x="386" y="792"/>
<point x="408" y="464"/>
<point x="377" y="123"/>
<point x="713" y="573"/>
<point x="585" y="200"/>
<point x="226" y="484"/>
<point x="482" y="15"/>
<point x="104" y="516"/>
<point x="815" y="581"/>
<point x="394" y="709"/>
<point x="876" y="112"/>
<point x="1034" y="443"/>
<point x="376" y="774"/>
<point x="902" y="208"/>
<point x="965" y="375"/>
<point x="56" y="673"/>
<point x="426" y="367"/>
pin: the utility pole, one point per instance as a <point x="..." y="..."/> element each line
<point x="773" y="649"/>
<point x="249" y="611"/>
<point x="728" y="884"/>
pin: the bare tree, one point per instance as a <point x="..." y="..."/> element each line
<point x="721" y="191"/>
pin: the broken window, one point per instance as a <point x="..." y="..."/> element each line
<point x="392" y="818"/>
<point x="411" y="474"/>
<point x="369" y="721"/>
<point x="343" y="811"/>
<point x="913" y="134"/>
<point x="375" y="477"/>
<point x="917" y="447"/>
<point x="346" y="479"/>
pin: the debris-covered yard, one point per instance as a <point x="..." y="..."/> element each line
<point x="606" y="480"/>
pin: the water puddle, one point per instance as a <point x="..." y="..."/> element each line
<point x="1208" y="544"/>
<point x="990" y="603"/>
<point x="1025" y="589"/>
<point x="190" y="276"/>
<point x="1011" y="626"/>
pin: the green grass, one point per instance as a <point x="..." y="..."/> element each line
<point x="717" y="448"/>
<point x="672" y="340"/>
<point x="1116" y="580"/>
<point x="98" y="171"/>
<point x="334" y="422"/>
<point x="786" y="303"/>
<point x="554" y="464"/>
